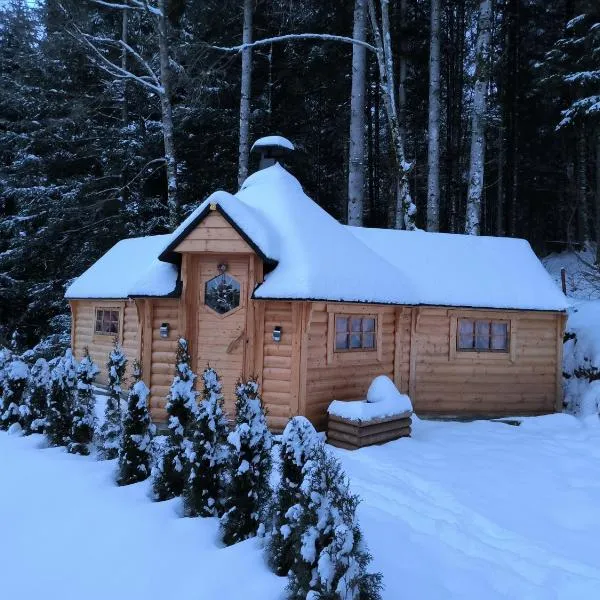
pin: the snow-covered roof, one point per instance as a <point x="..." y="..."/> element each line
<point x="130" y="268"/>
<point x="463" y="270"/>
<point x="272" y="140"/>
<point x="316" y="258"/>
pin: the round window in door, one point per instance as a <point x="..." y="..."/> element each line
<point x="222" y="293"/>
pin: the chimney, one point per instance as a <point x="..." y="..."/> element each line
<point x="272" y="149"/>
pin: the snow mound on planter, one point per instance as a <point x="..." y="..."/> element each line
<point x="383" y="400"/>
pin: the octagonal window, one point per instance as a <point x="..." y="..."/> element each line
<point x="222" y="293"/>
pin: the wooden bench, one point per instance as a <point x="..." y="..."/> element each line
<point x="351" y="435"/>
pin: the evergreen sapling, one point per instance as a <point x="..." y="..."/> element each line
<point x="109" y="435"/>
<point x="208" y="457"/>
<point x="298" y="440"/>
<point x="171" y="469"/>
<point x="82" y="427"/>
<point x="37" y="396"/>
<point x="63" y="377"/>
<point x="331" y="559"/>
<point x="15" y="380"/>
<point x="135" y="453"/>
<point x="247" y="491"/>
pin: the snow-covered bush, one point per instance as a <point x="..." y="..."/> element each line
<point x="135" y="452"/>
<point x="63" y="378"/>
<point x="5" y="358"/>
<point x="82" y="427"/>
<point x="297" y="442"/>
<point x="14" y="386"/>
<point x="202" y="495"/>
<point x="170" y="471"/>
<point x="247" y="492"/>
<point x="109" y="434"/>
<point x="331" y="559"/>
<point x="37" y="395"/>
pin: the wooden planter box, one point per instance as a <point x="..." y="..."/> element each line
<point x="344" y="433"/>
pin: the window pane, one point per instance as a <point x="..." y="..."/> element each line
<point x="355" y="323"/>
<point x="465" y="334"/>
<point x="355" y="341"/>
<point x="368" y="340"/>
<point x="98" y="327"/>
<point x="368" y="324"/>
<point x="341" y="341"/>
<point x="482" y="335"/>
<point x="341" y="324"/>
<point x="499" y="336"/>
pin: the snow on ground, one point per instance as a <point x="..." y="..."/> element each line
<point x="461" y="510"/>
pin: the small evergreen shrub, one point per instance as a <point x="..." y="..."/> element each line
<point x="331" y="559"/>
<point x="63" y="378"/>
<point x="135" y="452"/>
<point x="37" y="396"/>
<point x="84" y="420"/>
<point x="247" y="492"/>
<point x="209" y="452"/>
<point x="109" y="434"/>
<point x="298" y="440"/>
<point x="14" y="387"/>
<point x="170" y="472"/>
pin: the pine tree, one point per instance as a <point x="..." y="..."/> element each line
<point x="209" y="453"/>
<point x="330" y="556"/>
<point x="16" y="376"/>
<point x="37" y="395"/>
<point x="170" y="472"/>
<point x="82" y="427"/>
<point x="63" y="377"/>
<point x="248" y="490"/>
<point x="135" y="453"/>
<point x="297" y="442"/>
<point x="109" y="435"/>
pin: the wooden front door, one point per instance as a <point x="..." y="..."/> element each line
<point x="222" y="308"/>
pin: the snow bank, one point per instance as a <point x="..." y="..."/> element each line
<point x="272" y="140"/>
<point x="582" y="279"/>
<point x="383" y="400"/>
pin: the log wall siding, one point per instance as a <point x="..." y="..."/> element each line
<point x="162" y="352"/>
<point x="99" y="346"/>
<point x="277" y="363"/>
<point x="487" y="384"/>
<point x="327" y="381"/>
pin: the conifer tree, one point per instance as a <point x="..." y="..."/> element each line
<point x="330" y="556"/>
<point x="170" y="472"/>
<point x="247" y="491"/>
<point x="208" y="458"/>
<point x="135" y="452"/>
<point x="37" y="395"/>
<point x="82" y="427"/>
<point x="63" y="378"/>
<point x="15" y="378"/>
<point x="109" y="435"/>
<point x="298" y="440"/>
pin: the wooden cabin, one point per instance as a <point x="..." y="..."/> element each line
<point x="266" y="283"/>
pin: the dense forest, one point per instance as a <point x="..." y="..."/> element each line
<point x="117" y="117"/>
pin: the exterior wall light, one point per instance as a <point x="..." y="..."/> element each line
<point x="277" y="333"/>
<point x="164" y="330"/>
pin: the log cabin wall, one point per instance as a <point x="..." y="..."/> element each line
<point x="525" y="380"/>
<point x="83" y="313"/>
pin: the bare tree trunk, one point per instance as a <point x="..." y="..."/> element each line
<point x="124" y="194"/>
<point x="405" y="212"/>
<point x="584" y="223"/>
<point x="500" y="188"/>
<point x="167" y="116"/>
<point x="477" y="164"/>
<point x="246" y="90"/>
<point x="597" y="196"/>
<point x="356" y="166"/>
<point x="433" y="129"/>
<point x="402" y="70"/>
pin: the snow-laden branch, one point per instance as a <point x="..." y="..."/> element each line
<point x="324" y="37"/>
<point x="133" y="5"/>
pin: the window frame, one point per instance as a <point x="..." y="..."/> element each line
<point x="349" y="332"/>
<point x="105" y="334"/>
<point x="475" y="354"/>
<point x="490" y="323"/>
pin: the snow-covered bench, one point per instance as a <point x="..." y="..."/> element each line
<point x="383" y="416"/>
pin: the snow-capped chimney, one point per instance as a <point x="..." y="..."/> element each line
<point x="272" y="149"/>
